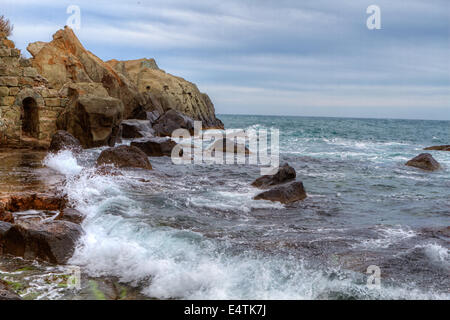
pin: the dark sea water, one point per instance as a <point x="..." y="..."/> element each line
<point x="194" y="232"/>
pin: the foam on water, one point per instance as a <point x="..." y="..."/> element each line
<point x="63" y="162"/>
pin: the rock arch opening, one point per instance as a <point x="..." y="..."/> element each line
<point x="30" y="120"/>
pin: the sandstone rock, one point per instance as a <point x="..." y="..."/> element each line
<point x="223" y="145"/>
<point x="34" y="201"/>
<point x="52" y="241"/>
<point x="6" y="216"/>
<point x="424" y="161"/>
<point x="439" y="148"/>
<point x="93" y="120"/>
<point x="65" y="59"/>
<point x="6" y="293"/>
<point x="156" y="147"/>
<point x="62" y="140"/>
<point x="171" y="121"/>
<point x="71" y="215"/>
<point x="284" y="174"/>
<point x="288" y="193"/>
<point x="172" y="92"/>
<point x="124" y="157"/>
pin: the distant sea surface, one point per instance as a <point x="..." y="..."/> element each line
<point x="194" y="232"/>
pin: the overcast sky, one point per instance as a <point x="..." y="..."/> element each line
<point x="282" y="57"/>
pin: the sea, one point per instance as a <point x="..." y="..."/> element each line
<point x="370" y="228"/>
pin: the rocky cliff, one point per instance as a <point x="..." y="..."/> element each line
<point x="170" y="91"/>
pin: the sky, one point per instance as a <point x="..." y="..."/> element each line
<point x="272" y="57"/>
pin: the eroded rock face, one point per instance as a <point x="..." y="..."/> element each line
<point x="439" y="148"/>
<point x="171" y="121"/>
<point x="285" y="194"/>
<point x="156" y="147"/>
<point x="170" y="91"/>
<point x="33" y="201"/>
<point x="124" y="157"/>
<point x="285" y="173"/>
<point x="6" y="216"/>
<point x="424" y="161"/>
<point x="62" y="140"/>
<point x="52" y="241"/>
<point x="64" y="59"/>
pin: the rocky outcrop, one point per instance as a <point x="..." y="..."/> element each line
<point x="62" y="140"/>
<point x="424" y="161"/>
<point x="64" y="59"/>
<point x="171" y="121"/>
<point x="439" y="148"/>
<point x="170" y="91"/>
<point x="285" y="194"/>
<point x="124" y="157"/>
<point x="51" y="241"/>
<point x="92" y="116"/>
<point x="156" y="147"/>
<point x="33" y="201"/>
<point x="284" y="174"/>
<point x="227" y="145"/>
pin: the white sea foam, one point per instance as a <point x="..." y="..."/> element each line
<point x="63" y="162"/>
<point x="388" y="237"/>
<point x="437" y="254"/>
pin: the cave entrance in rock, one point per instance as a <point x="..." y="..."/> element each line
<point x="30" y="120"/>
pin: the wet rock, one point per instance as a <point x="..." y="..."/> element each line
<point x="171" y="121"/>
<point x="6" y="216"/>
<point x="439" y="148"/>
<point x="285" y="173"/>
<point x="51" y="241"/>
<point x="6" y="293"/>
<point x="134" y="129"/>
<point x="71" y="215"/>
<point x="424" y="161"/>
<point x="156" y="147"/>
<point x="62" y="140"/>
<point x="288" y="193"/>
<point x="124" y="157"/>
<point x="34" y="201"/>
<point x="227" y="145"/>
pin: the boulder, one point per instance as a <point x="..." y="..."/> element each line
<point x="51" y="241"/>
<point x="288" y="193"/>
<point x="71" y="215"/>
<point x="64" y="59"/>
<point x="62" y="140"/>
<point x="134" y="129"/>
<point x="439" y="148"/>
<point x="156" y="147"/>
<point x="171" y="121"/>
<point x="170" y="91"/>
<point x="223" y="145"/>
<point x="6" y="293"/>
<point x="424" y="161"/>
<point x="124" y="157"/>
<point x="94" y="120"/>
<point x="285" y="173"/>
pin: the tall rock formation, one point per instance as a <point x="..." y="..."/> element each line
<point x="170" y="91"/>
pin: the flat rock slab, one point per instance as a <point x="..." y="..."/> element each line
<point x="439" y="148"/>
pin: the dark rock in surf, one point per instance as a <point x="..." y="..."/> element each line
<point x="130" y="130"/>
<point x="171" y="121"/>
<point x="124" y="157"/>
<point x="51" y="241"/>
<point x="227" y="145"/>
<point x="285" y="194"/>
<point x="71" y="215"/>
<point x="284" y="174"/>
<point x="7" y="293"/>
<point x="62" y="140"/>
<point x="424" y="161"/>
<point x="156" y="147"/>
<point x="439" y="148"/>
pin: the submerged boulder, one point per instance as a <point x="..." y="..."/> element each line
<point x="285" y="173"/>
<point x="288" y="193"/>
<point x="124" y="157"/>
<point x="171" y="121"/>
<point x="439" y="148"/>
<point x="51" y="241"/>
<point x="62" y="140"/>
<point x="156" y="147"/>
<point x="424" y="161"/>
